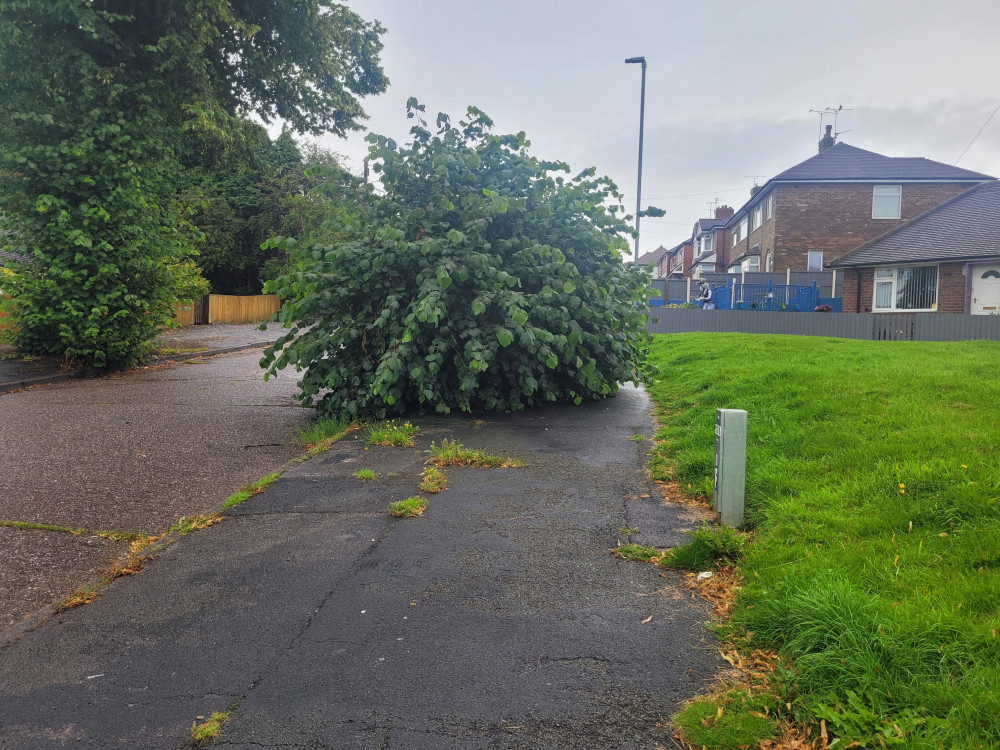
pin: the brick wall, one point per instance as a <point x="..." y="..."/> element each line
<point x="835" y="218"/>
<point x="951" y="288"/>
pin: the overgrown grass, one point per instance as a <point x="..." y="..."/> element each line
<point x="433" y="480"/>
<point x="392" y="434"/>
<point x="323" y="433"/>
<point x="202" y="734"/>
<point x="187" y="524"/>
<point x="873" y="482"/>
<point x="250" y="490"/>
<point x="452" y="453"/>
<point x="365" y="475"/>
<point x="408" y="508"/>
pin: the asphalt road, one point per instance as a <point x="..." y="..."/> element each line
<point x="498" y="619"/>
<point x="128" y="452"/>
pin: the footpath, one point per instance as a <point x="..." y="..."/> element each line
<point x="497" y="619"/>
<point x="176" y="344"/>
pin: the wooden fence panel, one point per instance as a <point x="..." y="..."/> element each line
<point x="227" y="308"/>
<point x="184" y="313"/>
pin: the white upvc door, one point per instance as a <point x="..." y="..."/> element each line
<point x="985" y="289"/>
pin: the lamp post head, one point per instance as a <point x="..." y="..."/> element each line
<point x="637" y="60"/>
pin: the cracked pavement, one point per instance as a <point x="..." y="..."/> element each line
<point x="498" y="619"/>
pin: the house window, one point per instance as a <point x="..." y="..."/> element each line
<point x="736" y="235"/>
<point x="887" y="201"/>
<point x="769" y="207"/>
<point x="815" y="261"/>
<point x="906" y="288"/>
<point x="743" y="227"/>
<point x="754" y="263"/>
<point x="768" y="263"/>
<point x="757" y="217"/>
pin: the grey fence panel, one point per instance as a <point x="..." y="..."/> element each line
<point x="865" y="326"/>
<point x="677" y="290"/>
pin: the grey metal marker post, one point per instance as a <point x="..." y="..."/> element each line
<point x="730" y="465"/>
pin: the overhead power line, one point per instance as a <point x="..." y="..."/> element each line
<point x="697" y="195"/>
<point x="978" y="134"/>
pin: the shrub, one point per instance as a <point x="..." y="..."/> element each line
<point x="481" y="280"/>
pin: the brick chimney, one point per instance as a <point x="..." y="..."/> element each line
<point x="827" y="140"/>
<point x="755" y="189"/>
<point x="724" y="212"/>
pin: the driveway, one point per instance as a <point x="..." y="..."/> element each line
<point x="498" y="619"/>
<point x="130" y="452"/>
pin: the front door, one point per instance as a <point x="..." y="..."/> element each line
<point x="985" y="289"/>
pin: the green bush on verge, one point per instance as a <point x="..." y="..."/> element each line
<point x="480" y="280"/>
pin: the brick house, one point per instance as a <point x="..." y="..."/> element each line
<point x="652" y="259"/>
<point x="833" y="202"/>
<point x="709" y="244"/>
<point x="673" y="263"/>
<point x="946" y="260"/>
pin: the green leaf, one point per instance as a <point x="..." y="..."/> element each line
<point x="477" y="307"/>
<point x="505" y="337"/>
<point x="569" y="287"/>
<point x="552" y="362"/>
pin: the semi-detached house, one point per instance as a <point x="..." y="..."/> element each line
<point x="828" y="205"/>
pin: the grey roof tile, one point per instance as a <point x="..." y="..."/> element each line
<point x="845" y="162"/>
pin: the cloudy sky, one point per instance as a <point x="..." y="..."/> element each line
<point x="728" y="89"/>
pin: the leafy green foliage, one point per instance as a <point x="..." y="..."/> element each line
<point x="392" y="433"/>
<point x="94" y="99"/>
<point x="481" y="280"/>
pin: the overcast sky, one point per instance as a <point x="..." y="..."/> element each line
<point x="729" y="85"/>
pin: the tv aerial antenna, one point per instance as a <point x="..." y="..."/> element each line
<point x="835" y="111"/>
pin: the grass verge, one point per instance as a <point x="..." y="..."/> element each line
<point x="408" y="508"/>
<point x="873" y="486"/>
<point x="452" y="453"/>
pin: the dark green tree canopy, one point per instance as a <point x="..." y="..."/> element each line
<point x="95" y="99"/>
<point x="483" y="279"/>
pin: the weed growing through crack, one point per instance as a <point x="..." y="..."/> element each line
<point x="638" y="438"/>
<point x="185" y="524"/>
<point x="638" y="552"/>
<point x="392" y="434"/>
<point x="408" y="508"/>
<point x="247" y="492"/>
<point x="626" y="530"/>
<point x="131" y="563"/>
<point x="452" y="453"/>
<point x="434" y="480"/>
<point x="709" y="545"/>
<point x="202" y="734"/>
<point x="365" y="475"/>
<point x="323" y="433"/>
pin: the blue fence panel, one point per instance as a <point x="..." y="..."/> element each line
<point x="774" y="297"/>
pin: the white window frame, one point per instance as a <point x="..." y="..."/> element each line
<point x="769" y="207"/>
<point x="891" y="276"/>
<point x="757" y="217"/>
<point x="736" y="234"/>
<point x="809" y="258"/>
<point x="884" y="192"/>
<point x="753" y="263"/>
<point x="743" y="228"/>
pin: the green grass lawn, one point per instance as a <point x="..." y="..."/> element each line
<point x="873" y="487"/>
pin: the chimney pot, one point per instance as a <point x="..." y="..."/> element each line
<point x="827" y="140"/>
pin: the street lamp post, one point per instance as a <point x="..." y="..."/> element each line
<point x="642" y="113"/>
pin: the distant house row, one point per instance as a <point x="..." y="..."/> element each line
<point x="907" y="233"/>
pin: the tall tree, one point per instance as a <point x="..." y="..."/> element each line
<point x="95" y="96"/>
